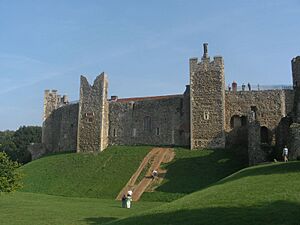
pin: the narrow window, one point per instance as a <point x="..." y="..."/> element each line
<point x="133" y="132"/>
<point x="157" y="131"/>
<point x="254" y="110"/>
<point x="114" y="132"/>
<point x="147" y="123"/>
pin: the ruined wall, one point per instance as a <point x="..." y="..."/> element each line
<point x="93" y="115"/>
<point x="270" y="107"/>
<point x="294" y="141"/>
<point x="289" y="101"/>
<point x="60" y="129"/>
<point x="52" y="101"/>
<point x="296" y="71"/>
<point x="147" y="122"/>
<point x="255" y="153"/>
<point x="207" y="102"/>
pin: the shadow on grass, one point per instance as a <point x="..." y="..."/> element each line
<point x="276" y="213"/>
<point x="99" y="220"/>
<point x="189" y="173"/>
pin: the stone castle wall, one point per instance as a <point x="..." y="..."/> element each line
<point x="60" y="129"/>
<point x="269" y="107"/>
<point x="205" y="116"/>
<point x="148" y="122"/>
<point x="207" y="103"/>
<point x="93" y="115"/>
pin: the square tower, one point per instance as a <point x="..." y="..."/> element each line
<point x="207" y="91"/>
<point x="93" y="115"/>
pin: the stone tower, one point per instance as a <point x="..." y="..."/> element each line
<point x="296" y="83"/>
<point x="93" y="115"/>
<point x="53" y="101"/>
<point x="207" y="91"/>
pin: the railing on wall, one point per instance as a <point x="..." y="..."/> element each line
<point x="258" y="87"/>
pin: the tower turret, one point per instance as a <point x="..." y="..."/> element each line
<point x="93" y="115"/>
<point x="296" y="71"/>
<point x="207" y="91"/>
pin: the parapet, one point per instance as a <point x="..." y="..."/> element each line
<point x="205" y="60"/>
<point x="52" y="101"/>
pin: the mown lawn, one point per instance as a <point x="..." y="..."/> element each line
<point x="191" y="171"/>
<point x="84" y="174"/>
<point x="23" y="208"/>
<point x="261" y="195"/>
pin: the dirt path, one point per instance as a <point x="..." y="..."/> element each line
<point x="155" y="157"/>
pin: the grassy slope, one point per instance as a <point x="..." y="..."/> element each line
<point x="22" y="208"/>
<point x="191" y="171"/>
<point x="267" y="194"/>
<point x="84" y="175"/>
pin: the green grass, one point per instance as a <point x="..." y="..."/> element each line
<point x="22" y="208"/>
<point x="191" y="171"/>
<point x="84" y="175"/>
<point x="266" y="194"/>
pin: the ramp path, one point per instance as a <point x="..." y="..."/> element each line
<point x="153" y="160"/>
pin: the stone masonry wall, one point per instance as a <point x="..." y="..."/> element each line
<point x="207" y="103"/>
<point x="93" y="115"/>
<point x="60" y="129"/>
<point x="270" y="108"/>
<point x="52" y="101"/>
<point x="255" y="153"/>
<point x="147" y="122"/>
<point x="294" y="141"/>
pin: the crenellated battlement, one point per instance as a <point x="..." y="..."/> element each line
<point x="205" y="116"/>
<point x="207" y="101"/>
<point x="52" y="101"/>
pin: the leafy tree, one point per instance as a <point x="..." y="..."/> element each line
<point x="15" y="143"/>
<point x="23" y="137"/>
<point x="10" y="177"/>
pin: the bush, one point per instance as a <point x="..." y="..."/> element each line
<point x="10" y="177"/>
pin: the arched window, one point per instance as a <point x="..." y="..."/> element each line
<point x="147" y="123"/>
<point x="264" y="135"/>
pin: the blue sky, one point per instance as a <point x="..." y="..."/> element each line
<point x="143" y="46"/>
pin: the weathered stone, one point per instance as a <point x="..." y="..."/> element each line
<point x="205" y="116"/>
<point x="93" y="115"/>
<point x="37" y="150"/>
<point x="255" y="153"/>
<point x="207" y="102"/>
<point x="59" y="132"/>
<point x="294" y="141"/>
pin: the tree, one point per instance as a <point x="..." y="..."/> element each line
<point x="10" y="177"/>
<point x="23" y="137"/>
<point x="15" y="143"/>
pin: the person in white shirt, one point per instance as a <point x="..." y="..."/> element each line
<point x="285" y="153"/>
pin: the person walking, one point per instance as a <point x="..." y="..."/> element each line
<point x="154" y="174"/>
<point x="124" y="201"/>
<point x="285" y="153"/>
<point x="128" y="199"/>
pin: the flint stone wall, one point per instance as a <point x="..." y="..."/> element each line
<point x="207" y="103"/>
<point x="255" y="153"/>
<point x="294" y="141"/>
<point x="127" y="122"/>
<point x="93" y="115"/>
<point x="60" y="129"/>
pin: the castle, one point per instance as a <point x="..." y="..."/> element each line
<point x="206" y="115"/>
